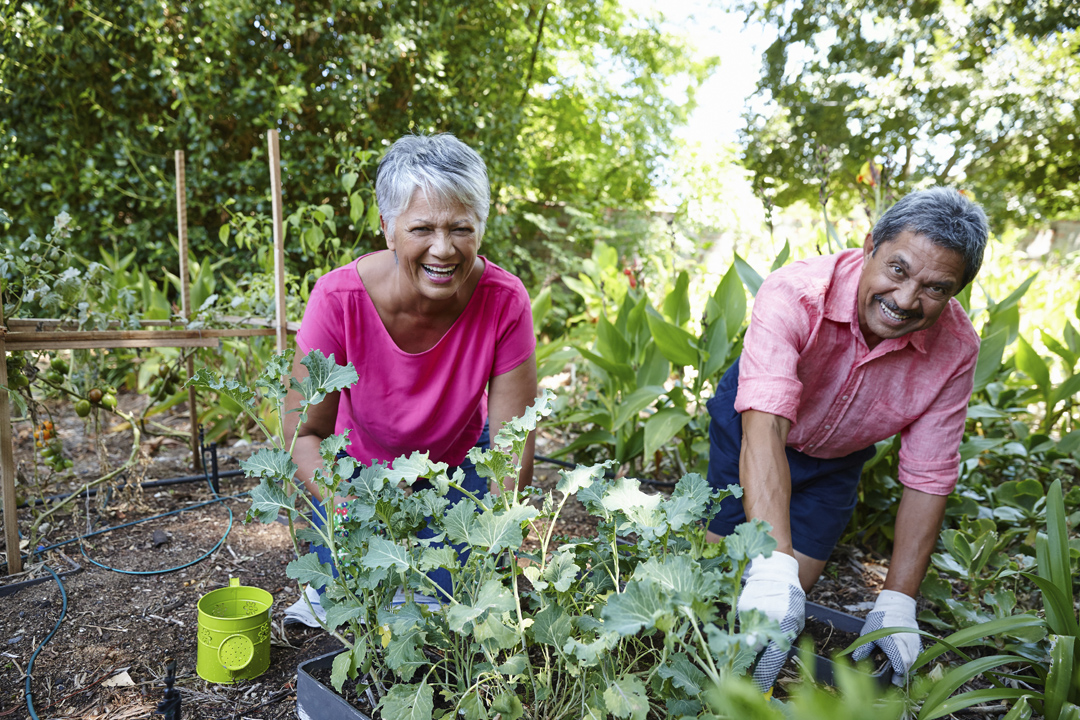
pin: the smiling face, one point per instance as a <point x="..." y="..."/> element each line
<point x="905" y="286"/>
<point x="435" y="247"/>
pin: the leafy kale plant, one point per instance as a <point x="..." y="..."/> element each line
<point x="628" y="624"/>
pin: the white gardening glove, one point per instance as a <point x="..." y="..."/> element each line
<point x="772" y="587"/>
<point x="892" y="609"/>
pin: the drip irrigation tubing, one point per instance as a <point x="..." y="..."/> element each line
<point x="218" y="498"/>
<point x="92" y="492"/>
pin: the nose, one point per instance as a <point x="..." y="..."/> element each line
<point x="441" y="245"/>
<point x="906" y="297"/>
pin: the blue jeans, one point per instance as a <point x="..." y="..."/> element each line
<point x="823" y="492"/>
<point x="475" y="484"/>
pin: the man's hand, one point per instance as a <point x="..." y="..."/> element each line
<point x="892" y="609"/>
<point x="772" y="587"/>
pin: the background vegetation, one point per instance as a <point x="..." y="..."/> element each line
<point x="642" y="250"/>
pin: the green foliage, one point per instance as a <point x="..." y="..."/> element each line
<point x="630" y="354"/>
<point x="99" y="95"/>
<point x="937" y="92"/>
<point x="620" y="623"/>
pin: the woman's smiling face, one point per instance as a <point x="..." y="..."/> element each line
<point x="905" y="286"/>
<point x="435" y="246"/>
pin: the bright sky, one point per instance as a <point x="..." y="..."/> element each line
<point x="715" y="31"/>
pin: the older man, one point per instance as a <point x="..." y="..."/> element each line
<point x="844" y="351"/>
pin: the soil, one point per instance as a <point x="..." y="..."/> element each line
<point x="123" y="629"/>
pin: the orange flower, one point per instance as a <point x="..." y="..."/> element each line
<point x="868" y="174"/>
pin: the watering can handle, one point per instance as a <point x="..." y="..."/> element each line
<point x="234" y="582"/>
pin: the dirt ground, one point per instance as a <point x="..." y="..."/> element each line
<point x="108" y="657"/>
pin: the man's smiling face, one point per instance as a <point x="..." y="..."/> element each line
<point x="905" y="286"/>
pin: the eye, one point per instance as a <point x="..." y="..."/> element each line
<point x="896" y="270"/>
<point x="937" y="291"/>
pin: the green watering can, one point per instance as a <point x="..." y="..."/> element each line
<point x="234" y="633"/>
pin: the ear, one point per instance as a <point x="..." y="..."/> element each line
<point x="868" y="246"/>
<point x="389" y="240"/>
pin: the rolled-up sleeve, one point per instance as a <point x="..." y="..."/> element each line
<point x="930" y="446"/>
<point x="782" y="322"/>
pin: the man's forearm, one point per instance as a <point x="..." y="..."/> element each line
<point x="765" y="475"/>
<point x="918" y="521"/>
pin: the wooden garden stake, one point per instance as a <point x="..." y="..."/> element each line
<point x="185" y="298"/>
<point x="7" y="463"/>
<point x="279" y="237"/>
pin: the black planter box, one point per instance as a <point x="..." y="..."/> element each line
<point x="315" y="701"/>
<point x="823" y="669"/>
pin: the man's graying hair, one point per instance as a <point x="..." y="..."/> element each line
<point x="441" y="166"/>
<point x="946" y="217"/>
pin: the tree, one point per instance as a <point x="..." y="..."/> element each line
<point x="97" y="95"/>
<point x="982" y="95"/>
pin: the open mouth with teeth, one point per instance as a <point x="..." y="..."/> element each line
<point x="894" y="313"/>
<point x="439" y="273"/>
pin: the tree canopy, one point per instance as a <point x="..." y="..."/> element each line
<point x="564" y="101"/>
<point x="978" y="94"/>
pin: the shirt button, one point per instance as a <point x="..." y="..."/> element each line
<point x="844" y="398"/>
<point x="828" y="427"/>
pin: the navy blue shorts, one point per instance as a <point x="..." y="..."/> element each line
<point x="823" y="492"/>
<point x="475" y="484"/>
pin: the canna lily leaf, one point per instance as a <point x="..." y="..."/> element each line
<point x="663" y="426"/>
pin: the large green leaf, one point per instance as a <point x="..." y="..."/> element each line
<point x="627" y="698"/>
<point x="610" y="343"/>
<point x="499" y="531"/>
<point x="663" y="426"/>
<point x="957" y="677"/>
<point x="990" y="351"/>
<point x="581" y="476"/>
<point x="976" y="697"/>
<point x="634" y="609"/>
<point x="1061" y="677"/>
<point x="677" y="303"/>
<point x="975" y="634"/>
<point x="730" y="298"/>
<point x="717" y="345"/>
<point x="677" y="345"/>
<point x="620" y="371"/>
<point x="408" y="702"/>
<point x="689" y="502"/>
<point x="268" y="463"/>
<point x="268" y="501"/>
<point x="307" y="570"/>
<point x="1065" y="390"/>
<point x="1031" y="364"/>
<point x="634" y="403"/>
<point x="748" y="275"/>
<point x="684" y="674"/>
<point x="492" y="596"/>
<point x="654" y="369"/>
<point x="385" y="554"/>
<point x="552" y="626"/>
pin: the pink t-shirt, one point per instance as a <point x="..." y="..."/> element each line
<point x="432" y="401"/>
<point x="805" y="359"/>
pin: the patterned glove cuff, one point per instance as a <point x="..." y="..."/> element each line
<point x="891" y="601"/>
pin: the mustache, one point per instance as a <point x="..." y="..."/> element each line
<point x="896" y="310"/>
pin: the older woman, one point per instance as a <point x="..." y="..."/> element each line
<point x="441" y="337"/>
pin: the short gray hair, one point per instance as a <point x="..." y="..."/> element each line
<point x="440" y="165"/>
<point x="944" y="215"/>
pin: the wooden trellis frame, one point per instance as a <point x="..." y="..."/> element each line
<point x="50" y="334"/>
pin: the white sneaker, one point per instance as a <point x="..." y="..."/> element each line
<point x="299" y="612"/>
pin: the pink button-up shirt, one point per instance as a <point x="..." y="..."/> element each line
<point x="805" y="359"/>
